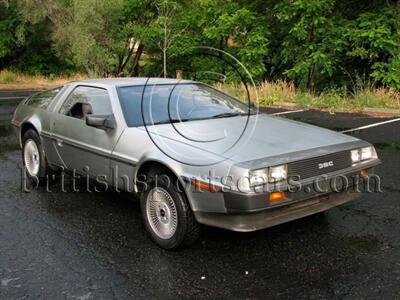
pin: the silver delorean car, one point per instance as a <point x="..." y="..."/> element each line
<point x="193" y="154"/>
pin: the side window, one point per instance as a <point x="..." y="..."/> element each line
<point x="155" y="104"/>
<point x="130" y="99"/>
<point x="86" y="100"/>
<point x="43" y="100"/>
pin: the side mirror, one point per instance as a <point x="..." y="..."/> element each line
<point x="101" y="121"/>
<point x="80" y="109"/>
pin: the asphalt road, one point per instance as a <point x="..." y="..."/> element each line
<point x="93" y="246"/>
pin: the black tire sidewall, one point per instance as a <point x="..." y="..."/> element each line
<point x="32" y="135"/>
<point x="181" y="205"/>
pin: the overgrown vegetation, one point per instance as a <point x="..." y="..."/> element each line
<point x="268" y="93"/>
<point x="14" y="79"/>
<point x="281" y="92"/>
<point x="310" y="49"/>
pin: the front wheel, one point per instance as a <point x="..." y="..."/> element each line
<point x="34" y="159"/>
<point x="167" y="215"/>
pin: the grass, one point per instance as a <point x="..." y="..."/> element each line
<point x="365" y="95"/>
<point x="275" y="93"/>
<point x="267" y="93"/>
<point x="8" y="77"/>
<point x="15" y="80"/>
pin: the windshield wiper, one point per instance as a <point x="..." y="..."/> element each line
<point x="228" y="115"/>
<point x="170" y="121"/>
<point x="222" y="115"/>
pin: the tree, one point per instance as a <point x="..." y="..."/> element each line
<point x="375" y="40"/>
<point x="313" y="39"/>
<point x="166" y="13"/>
<point x="225" y="26"/>
<point x="9" y="26"/>
<point x="137" y="18"/>
<point x="318" y="44"/>
<point x="98" y="36"/>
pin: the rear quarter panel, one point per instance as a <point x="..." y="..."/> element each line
<point x="39" y="118"/>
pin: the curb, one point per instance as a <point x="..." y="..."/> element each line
<point x="376" y="112"/>
<point x="16" y="94"/>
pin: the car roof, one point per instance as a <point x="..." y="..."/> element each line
<point x="127" y="81"/>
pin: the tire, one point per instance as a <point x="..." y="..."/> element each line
<point x="34" y="158"/>
<point x="166" y="214"/>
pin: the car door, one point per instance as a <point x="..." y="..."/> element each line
<point x="81" y="147"/>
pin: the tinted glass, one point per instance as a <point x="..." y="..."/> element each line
<point x="169" y="103"/>
<point x="43" y="100"/>
<point x="97" y="97"/>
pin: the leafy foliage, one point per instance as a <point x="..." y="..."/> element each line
<point x="317" y="44"/>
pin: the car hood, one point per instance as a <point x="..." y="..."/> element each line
<point x="246" y="138"/>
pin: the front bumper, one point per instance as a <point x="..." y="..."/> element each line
<point x="250" y="212"/>
<point x="245" y="222"/>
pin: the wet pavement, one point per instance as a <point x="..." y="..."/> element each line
<point x="93" y="246"/>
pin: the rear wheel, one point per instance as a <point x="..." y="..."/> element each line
<point x="34" y="158"/>
<point x="167" y="215"/>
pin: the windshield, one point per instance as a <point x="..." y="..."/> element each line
<point x="176" y="103"/>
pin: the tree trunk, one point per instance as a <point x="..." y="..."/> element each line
<point x="165" y="62"/>
<point x="221" y="47"/>
<point x="310" y="78"/>
<point x="165" y="49"/>
<point x="136" y="60"/>
<point x="124" y="63"/>
<point x="118" y="69"/>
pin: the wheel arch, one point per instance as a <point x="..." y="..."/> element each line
<point x="153" y="164"/>
<point x="25" y="126"/>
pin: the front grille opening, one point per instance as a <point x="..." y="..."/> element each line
<point x="311" y="167"/>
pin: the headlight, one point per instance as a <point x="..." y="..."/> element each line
<point x="355" y="156"/>
<point x="367" y="153"/>
<point x="363" y="154"/>
<point x="278" y="173"/>
<point x="272" y="174"/>
<point x="258" y="177"/>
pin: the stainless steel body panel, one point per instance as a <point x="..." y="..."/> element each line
<point x="83" y="148"/>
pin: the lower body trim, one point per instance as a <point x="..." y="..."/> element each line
<point x="246" y="222"/>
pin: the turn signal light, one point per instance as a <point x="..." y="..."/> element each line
<point x="205" y="186"/>
<point x="276" y="196"/>
<point x="363" y="173"/>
